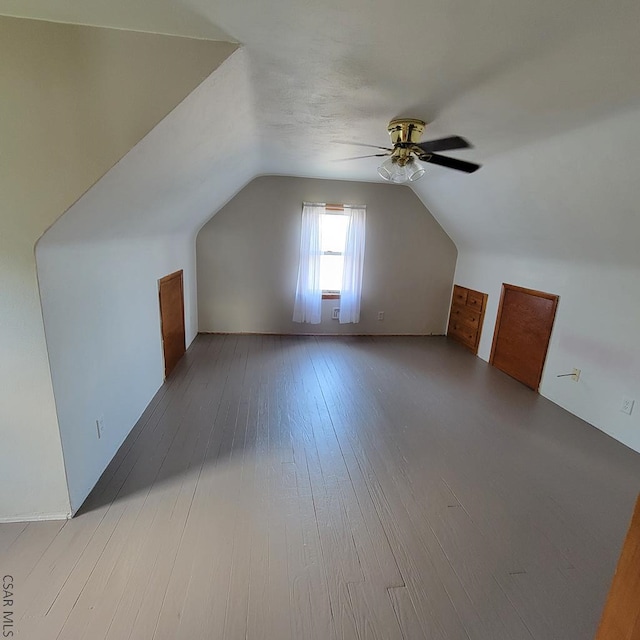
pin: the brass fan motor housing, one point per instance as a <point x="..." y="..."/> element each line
<point x="404" y="132"/>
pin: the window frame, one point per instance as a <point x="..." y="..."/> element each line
<point x="333" y="210"/>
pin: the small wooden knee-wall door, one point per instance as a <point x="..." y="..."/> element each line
<point x="172" y="319"/>
<point x="621" y="616"/>
<point x="523" y="330"/>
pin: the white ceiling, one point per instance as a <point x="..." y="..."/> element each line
<point x="530" y="83"/>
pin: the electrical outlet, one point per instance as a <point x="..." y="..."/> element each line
<point x="627" y="405"/>
<point x="100" y="426"/>
<point x="335" y="313"/>
<point x="575" y="376"/>
<point x="380" y="315"/>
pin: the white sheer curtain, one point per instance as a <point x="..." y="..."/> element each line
<point x="308" y="304"/>
<point x="353" y="266"/>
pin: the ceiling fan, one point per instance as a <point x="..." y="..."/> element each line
<point x="401" y="164"/>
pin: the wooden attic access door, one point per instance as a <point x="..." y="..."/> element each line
<point x="621" y="616"/>
<point x="523" y="330"/>
<point x="172" y="319"/>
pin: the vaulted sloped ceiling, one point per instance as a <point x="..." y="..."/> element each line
<point x="187" y="167"/>
<point x="547" y="91"/>
<point x="77" y="99"/>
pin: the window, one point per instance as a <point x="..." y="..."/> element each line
<point x="333" y="235"/>
<point x="332" y="243"/>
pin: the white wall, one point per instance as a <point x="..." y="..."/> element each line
<point x="247" y="257"/>
<point x="596" y="331"/>
<point x="31" y="464"/>
<point x="99" y="264"/>
<point x="74" y="100"/>
<point x="102" y="322"/>
<point x="561" y="215"/>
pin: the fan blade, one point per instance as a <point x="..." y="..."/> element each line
<point x="375" y="155"/>
<point x="450" y="163"/>
<point x="361" y="144"/>
<point x="444" y="144"/>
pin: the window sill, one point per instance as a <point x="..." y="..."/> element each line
<point x="330" y="296"/>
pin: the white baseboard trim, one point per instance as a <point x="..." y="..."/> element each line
<point x="35" y="517"/>
<point x="320" y="335"/>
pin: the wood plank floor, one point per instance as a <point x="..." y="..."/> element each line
<point x="335" y="488"/>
